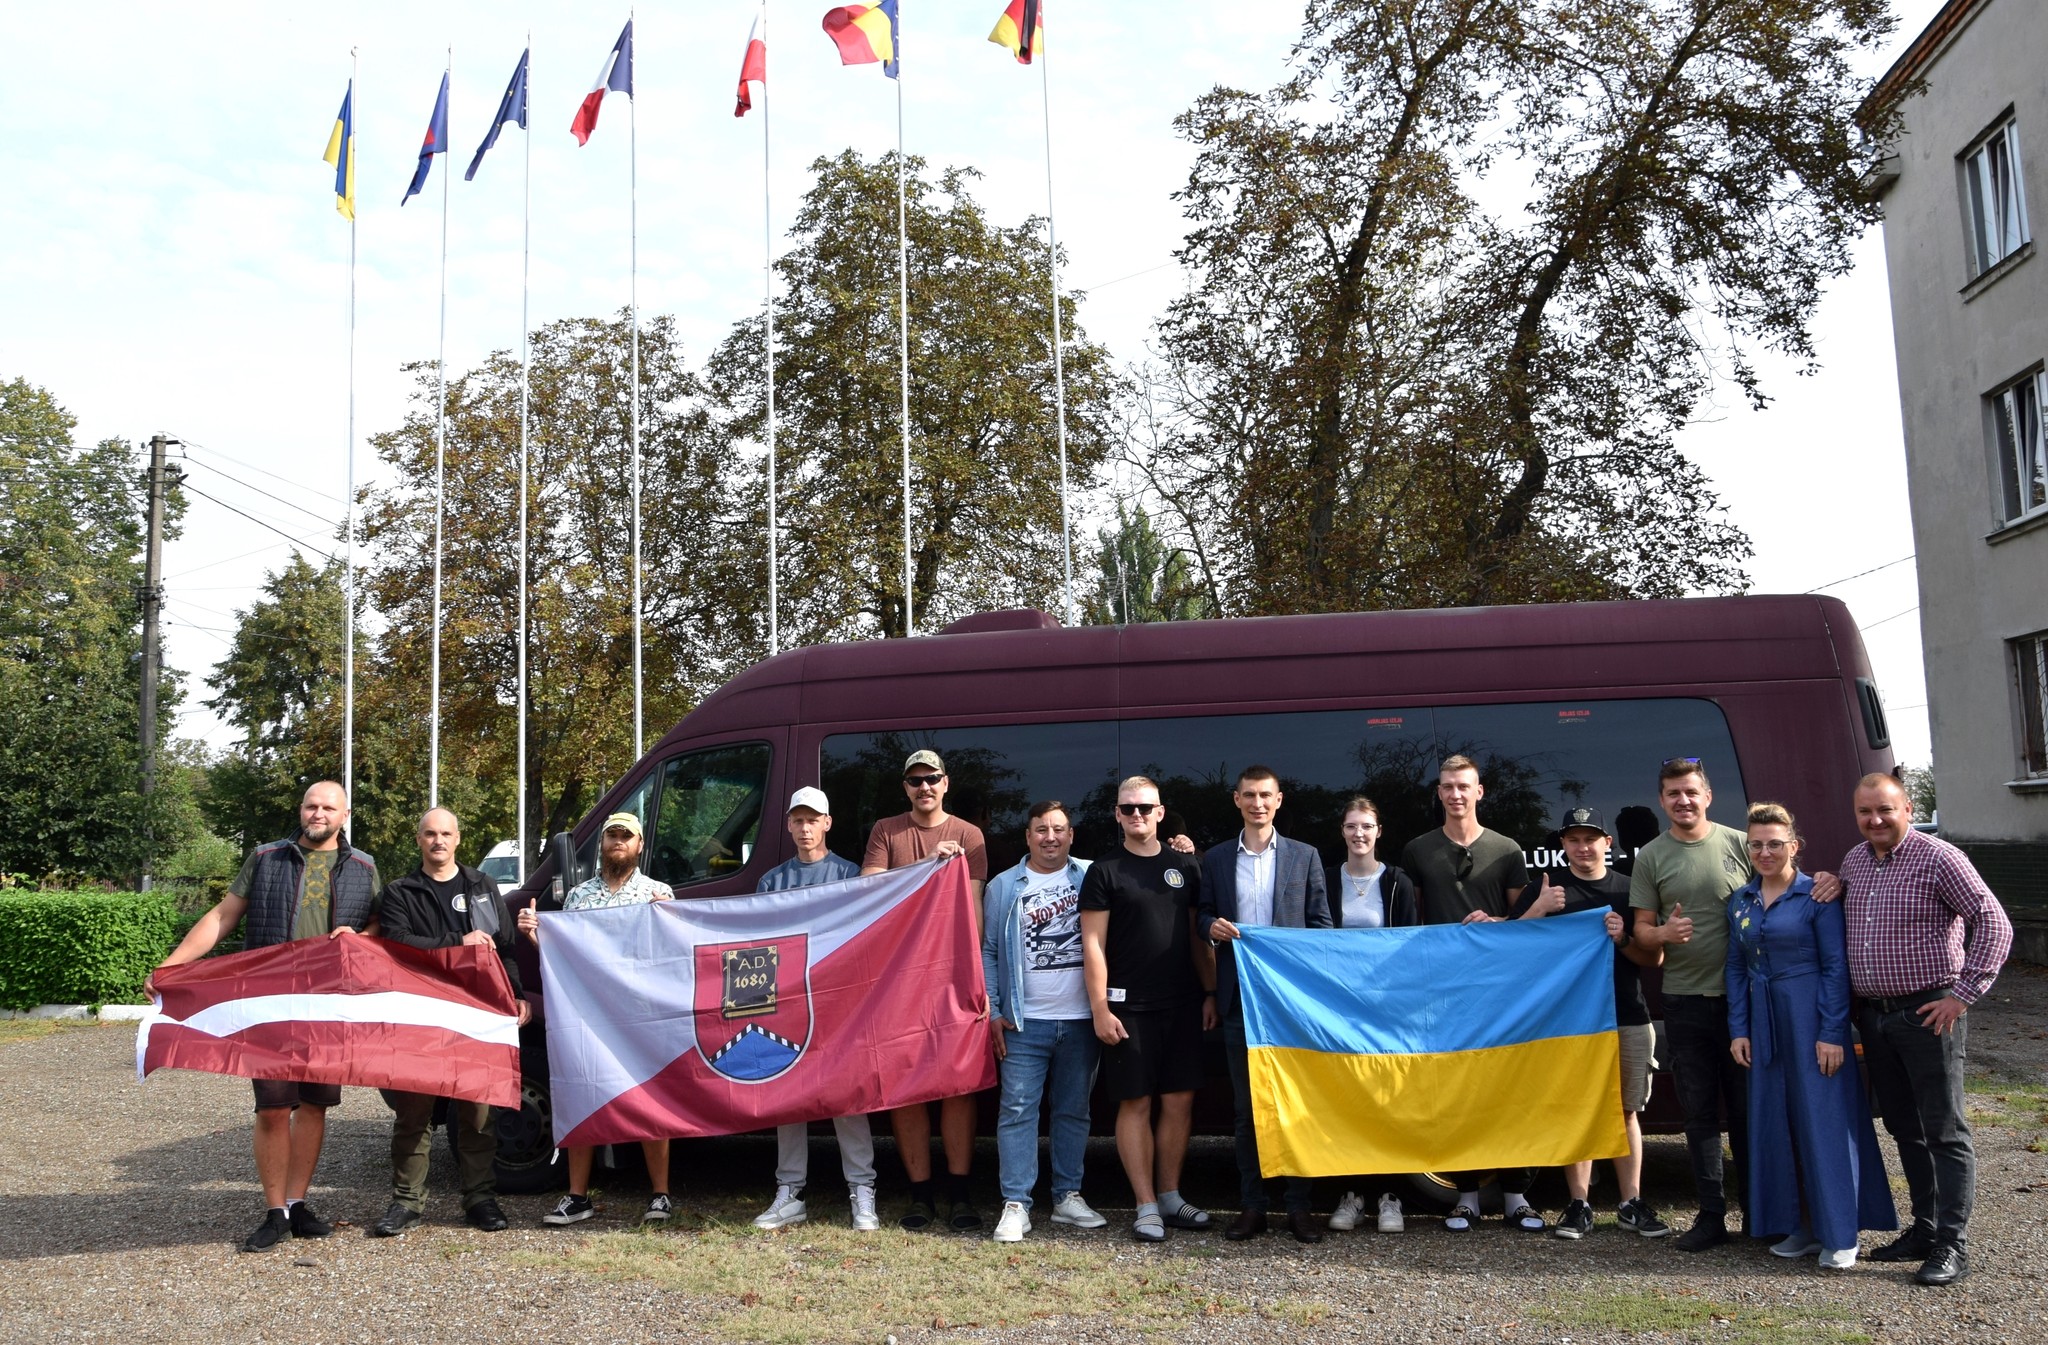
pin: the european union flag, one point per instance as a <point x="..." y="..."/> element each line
<point x="341" y="152"/>
<point x="435" y="143"/>
<point x="512" y="108"/>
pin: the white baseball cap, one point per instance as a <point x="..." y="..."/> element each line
<point x="809" y="797"/>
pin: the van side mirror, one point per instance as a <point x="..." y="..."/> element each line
<point x="563" y="847"/>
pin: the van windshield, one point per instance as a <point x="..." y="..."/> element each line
<point x="707" y="813"/>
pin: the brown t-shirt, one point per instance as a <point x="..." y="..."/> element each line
<point x="897" y="841"/>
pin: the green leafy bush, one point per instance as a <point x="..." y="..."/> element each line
<point x="81" y="947"/>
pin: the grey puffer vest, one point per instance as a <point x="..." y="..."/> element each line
<point x="280" y="876"/>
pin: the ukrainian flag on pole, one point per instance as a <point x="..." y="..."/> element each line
<point x="1442" y="1048"/>
<point x="341" y="153"/>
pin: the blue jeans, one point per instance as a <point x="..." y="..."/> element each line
<point x="1052" y="1059"/>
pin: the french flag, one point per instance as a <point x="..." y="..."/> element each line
<point x="616" y="74"/>
<point x="753" y="68"/>
<point x="716" y="1017"/>
<point x="349" y="1010"/>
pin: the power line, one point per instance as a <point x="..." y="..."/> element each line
<point x="1893" y="617"/>
<point x="1860" y="573"/>
<point x="268" y="495"/>
<point x="295" y="485"/>
<point x="267" y="546"/>
<point x="261" y="523"/>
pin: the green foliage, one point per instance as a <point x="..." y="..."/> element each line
<point x="71" y="542"/>
<point x="81" y="947"/>
<point x="1919" y="782"/>
<point x="199" y="871"/>
<point x="1142" y="578"/>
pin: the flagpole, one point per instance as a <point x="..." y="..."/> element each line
<point x="633" y="293"/>
<point x="525" y="369"/>
<point x="1059" y="376"/>
<point x="440" y="483"/>
<point x="348" y="620"/>
<point x="903" y="327"/>
<point x="768" y="310"/>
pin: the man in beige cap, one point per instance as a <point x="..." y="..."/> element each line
<point x="619" y="882"/>
<point x="927" y="831"/>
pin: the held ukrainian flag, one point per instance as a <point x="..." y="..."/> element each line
<point x="1442" y="1048"/>
<point x="341" y="153"/>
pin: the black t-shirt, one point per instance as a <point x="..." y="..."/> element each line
<point x="1606" y="893"/>
<point x="1452" y="880"/>
<point x="1149" y="899"/>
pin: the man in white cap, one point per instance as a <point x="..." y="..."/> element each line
<point x="619" y="882"/>
<point x="810" y="820"/>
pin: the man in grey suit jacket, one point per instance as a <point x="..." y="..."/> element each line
<point x="1257" y="878"/>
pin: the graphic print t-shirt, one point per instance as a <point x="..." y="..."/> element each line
<point x="1148" y="898"/>
<point x="1049" y="920"/>
<point x="316" y="898"/>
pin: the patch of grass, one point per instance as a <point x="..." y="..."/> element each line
<point x="31" y="1029"/>
<point x="1690" y="1317"/>
<point x="820" y="1282"/>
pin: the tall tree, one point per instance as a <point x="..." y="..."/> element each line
<point x="985" y="507"/>
<point x="1401" y="379"/>
<point x="1141" y="578"/>
<point x="71" y="569"/>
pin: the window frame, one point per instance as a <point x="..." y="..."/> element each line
<point x="1991" y="167"/>
<point x="2030" y="685"/>
<point x="2017" y="416"/>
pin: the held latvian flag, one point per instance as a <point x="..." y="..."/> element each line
<point x="341" y="153"/>
<point x="435" y="142"/>
<point x="715" y="1017"/>
<point x="865" y="34"/>
<point x="753" y="68"/>
<point x="1019" y="29"/>
<point x="614" y="76"/>
<point x="511" y="108"/>
<point x="1441" y="1048"/>
<point x="350" y="1010"/>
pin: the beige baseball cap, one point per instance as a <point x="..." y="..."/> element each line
<point x="626" y="820"/>
<point x="924" y="757"/>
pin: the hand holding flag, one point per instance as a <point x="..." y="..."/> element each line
<point x="436" y="141"/>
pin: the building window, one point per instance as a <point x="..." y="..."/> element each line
<point x="1997" y="201"/>
<point x="2030" y="669"/>
<point x="2022" y="446"/>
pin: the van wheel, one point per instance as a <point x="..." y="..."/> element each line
<point x="1435" y="1192"/>
<point x="528" y="1162"/>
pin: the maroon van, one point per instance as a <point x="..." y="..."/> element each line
<point x="1560" y="705"/>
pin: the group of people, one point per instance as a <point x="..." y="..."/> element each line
<point x="1118" y="967"/>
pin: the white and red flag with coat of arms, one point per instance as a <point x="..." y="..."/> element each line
<point x="714" y="1017"/>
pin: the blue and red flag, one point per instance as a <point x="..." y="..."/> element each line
<point x="511" y="108"/>
<point x="716" y="1017"/>
<point x="436" y="141"/>
<point x="614" y="76"/>
<point x="865" y="34"/>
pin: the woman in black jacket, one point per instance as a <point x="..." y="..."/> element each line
<point x="1364" y="893"/>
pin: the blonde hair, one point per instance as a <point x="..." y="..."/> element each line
<point x="1138" y="782"/>
<point x="1774" y="815"/>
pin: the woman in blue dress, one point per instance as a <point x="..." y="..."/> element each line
<point x="1811" y="1143"/>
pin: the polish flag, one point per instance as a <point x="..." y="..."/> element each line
<point x="753" y="66"/>
<point x="615" y="75"/>
<point x="716" y="1017"/>
<point x="350" y="1010"/>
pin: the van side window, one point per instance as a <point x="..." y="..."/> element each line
<point x="707" y="813"/>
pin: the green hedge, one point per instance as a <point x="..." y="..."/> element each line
<point x="81" y="947"/>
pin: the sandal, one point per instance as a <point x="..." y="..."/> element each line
<point x="1149" y="1228"/>
<point x="917" y="1218"/>
<point x="1460" y="1219"/>
<point x="1187" y="1216"/>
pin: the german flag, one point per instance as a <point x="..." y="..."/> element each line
<point x="1019" y="29"/>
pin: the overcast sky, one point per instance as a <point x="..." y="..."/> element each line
<point x="171" y="260"/>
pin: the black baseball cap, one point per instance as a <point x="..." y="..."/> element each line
<point x="1584" y="817"/>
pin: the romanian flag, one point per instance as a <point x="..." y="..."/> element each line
<point x="614" y="76"/>
<point x="753" y="69"/>
<point x="1440" y="1048"/>
<point x="866" y="34"/>
<point x="1020" y="29"/>
<point x="341" y="152"/>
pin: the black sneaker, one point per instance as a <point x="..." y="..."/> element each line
<point x="1709" y="1230"/>
<point x="275" y="1228"/>
<point x="486" y="1216"/>
<point x="1575" y="1222"/>
<point x="306" y="1224"/>
<point x="570" y="1209"/>
<point x="1637" y="1216"/>
<point x="398" y="1217"/>
<point x="1912" y="1245"/>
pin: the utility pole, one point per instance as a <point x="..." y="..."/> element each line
<point x="152" y="608"/>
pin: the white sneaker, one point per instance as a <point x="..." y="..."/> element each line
<point x="1015" y="1223"/>
<point x="1390" y="1215"/>
<point x="1074" y="1210"/>
<point x="1796" y="1244"/>
<point x="862" y="1198"/>
<point x="788" y="1209"/>
<point x="1834" y="1258"/>
<point x="1349" y="1211"/>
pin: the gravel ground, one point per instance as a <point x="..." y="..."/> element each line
<point x="120" y="1205"/>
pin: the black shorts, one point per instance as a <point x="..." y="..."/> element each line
<point x="275" y="1093"/>
<point x="1162" y="1054"/>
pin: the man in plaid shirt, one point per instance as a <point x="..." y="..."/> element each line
<point x="1926" y="940"/>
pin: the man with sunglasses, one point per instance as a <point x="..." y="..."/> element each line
<point x="1469" y="874"/>
<point x="928" y="831"/>
<point x="1151" y="993"/>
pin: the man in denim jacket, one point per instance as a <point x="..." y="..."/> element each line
<point x="1038" y="1015"/>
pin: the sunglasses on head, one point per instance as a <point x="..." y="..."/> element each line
<point x="1682" y="761"/>
<point x="922" y="781"/>
<point x="1135" y="809"/>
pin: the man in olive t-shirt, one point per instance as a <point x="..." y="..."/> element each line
<point x="1679" y="890"/>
